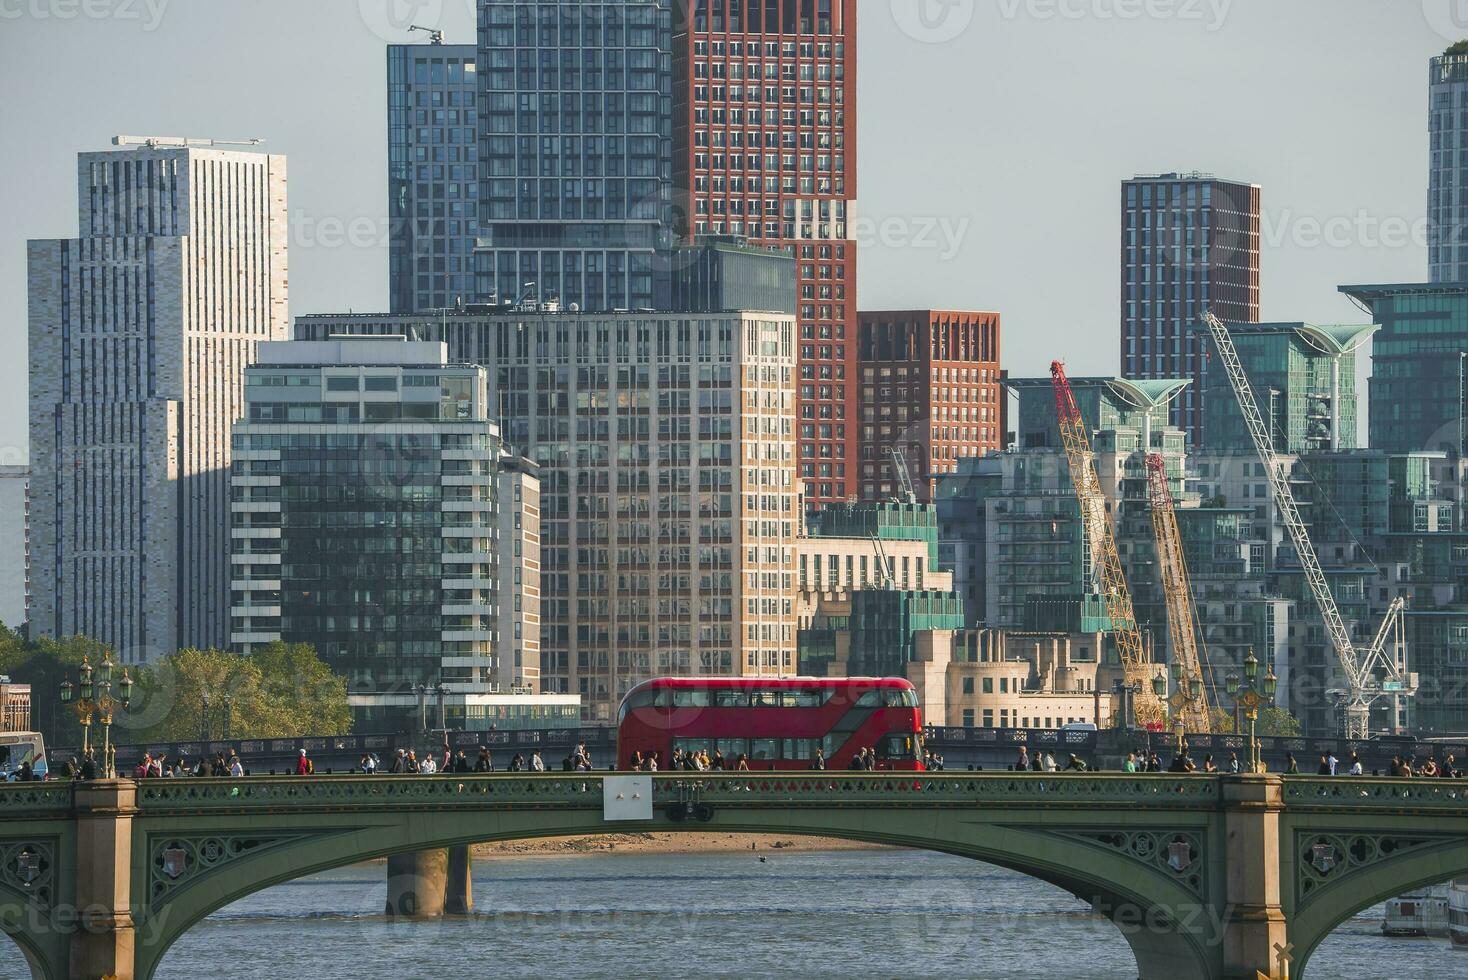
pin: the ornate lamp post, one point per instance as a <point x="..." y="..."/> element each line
<point x="1249" y="697"/>
<point x="97" y="703"/>
<point x="1187" y="693"/>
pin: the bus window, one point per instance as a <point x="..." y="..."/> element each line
<point x="797" y="748"/>
<point x="690" y="699"/>
<point x="731" y="699"/>
<point x="892" y="698"/>
<point x="694" y="745"/>
<point x="870" y="699"/>
<point x="762" y="749"/>
<point x="909" y="699"/>
<point x="767" y="699"/>
<point x="806" y="699"/>
<point x="732" y="748"/>
<point x="664" y="698"/>
<point x="638" y="699"/>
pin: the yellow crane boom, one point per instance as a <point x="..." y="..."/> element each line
<point x="1109" y="579"/>
<point x="1188" y="652"/>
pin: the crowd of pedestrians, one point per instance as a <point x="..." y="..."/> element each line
<point x="449" y="760"/>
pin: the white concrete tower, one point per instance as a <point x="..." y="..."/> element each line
<point x="140" y="331"/>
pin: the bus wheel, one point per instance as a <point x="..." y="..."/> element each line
<point x="679" y="812"/>
<point x="703" y="812"/>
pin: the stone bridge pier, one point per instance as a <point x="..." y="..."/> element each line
<point x="1216" y="877"/>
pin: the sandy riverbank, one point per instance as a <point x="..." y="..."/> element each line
<point x="664" y="843"/>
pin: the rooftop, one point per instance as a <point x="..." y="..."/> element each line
<point x="1327" y="338"/>
<point x="1139" y="393"/>
<point x="1192" y="175"/>
<point x="349" y="350"/>
<point x="1383" y="290"/>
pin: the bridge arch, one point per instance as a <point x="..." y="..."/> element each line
<point x="1434" y="861"/>
<point x="1155" y="910"/>
<point x="12" y="915"/>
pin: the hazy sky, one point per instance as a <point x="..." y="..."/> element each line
<point x="993" y="136"/>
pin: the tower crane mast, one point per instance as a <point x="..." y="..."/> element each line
<point x="1109" y="579"/>
<point x="1359" y="668"/>
<point x="1172" y="568"/>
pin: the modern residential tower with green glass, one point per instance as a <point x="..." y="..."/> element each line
<point x="374" y="505"/>
<point x="1417" y="364"/>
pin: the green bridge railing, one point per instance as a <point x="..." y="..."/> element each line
<point x="840" y="789"/>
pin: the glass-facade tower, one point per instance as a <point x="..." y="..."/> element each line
<point x="1304" y="378"/>
<point x="575" y="121"/>
<point x="432" y="149"/>
<point x="366" y="521"/>
<point x="1447" y="189"/>
<point x="1418" y="362"/>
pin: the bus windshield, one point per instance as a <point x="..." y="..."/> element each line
<point x="16" y="751"/>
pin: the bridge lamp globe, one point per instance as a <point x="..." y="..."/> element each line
<point x="104" y="670"/>
<point x="1159" y="685"/>
<point x="1251" y="668"/>
<point x="1271" y="684"/>
<point x="125" y="687"/>
<point x="1231" y="684"/>
<point x="1177" y="671"/>
<point x="68" y="691"/>
<point x="86" y="676"/>
<point x="1195" y="688"/>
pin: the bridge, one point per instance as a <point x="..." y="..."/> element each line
<point x="1214" y="877"/>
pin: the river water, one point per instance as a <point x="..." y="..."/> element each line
<point x="814" y="915"/>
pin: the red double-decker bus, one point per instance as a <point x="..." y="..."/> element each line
<point x="774" y="724"/>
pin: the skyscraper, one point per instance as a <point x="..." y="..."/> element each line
<point x="15" y="545"/>
<point x="140" y="331"/>
<point x="575" y="129"/>
<point x="1447" y="188"/>
<point x="764" y="101"/>
<point x="1189" y="244"/>
<point x="433" y="176"/>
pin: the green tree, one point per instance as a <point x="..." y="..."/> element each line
<point x="1273" y="722"/>
<point x="182" y="696"/>
<point x="282" y="691"/>
<point x="303" y="695"/>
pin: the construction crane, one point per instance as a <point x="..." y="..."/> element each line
<point x="1109" y="580"/>
<point x="155" y="142"/>
<point x="1188" y="652"/>
<point x="434" y="36"/>
<point x="906" y="493"/>
<point x="1359" y="667"/>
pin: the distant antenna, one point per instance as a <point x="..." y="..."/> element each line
<point x="155" y="142"/>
